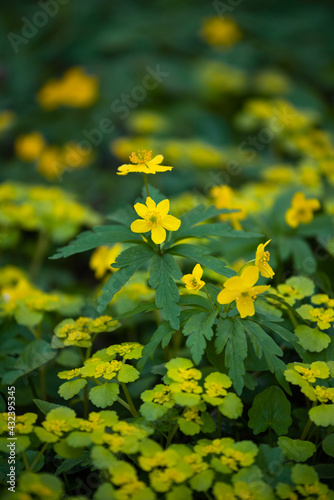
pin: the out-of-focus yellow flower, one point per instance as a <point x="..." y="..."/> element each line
<point x="262" y="261"/>
<point x="301" y="210"/>
<point x="220" y="32"/>
<point x="144" y="163"/>
<point x="309" y="176"/>
<point x="315" y="143"/>
<point x="242" y="290"/>
<point x="75" y="88"/>
<point x="6" y="120"/>
<point x="155" y="218"/>
<point x="205" y="155"/>
<point x="102" y="259"/>
<point x="281" y="174"/>
<point x="147" y="122"/>
<point x="193" y="281"/>
<point x="219" y="78"/>
<point x="29" y="147"/>
<point x="50" y="163"/>
<point x="271" y="82"/>
<point x="224" y="198"/>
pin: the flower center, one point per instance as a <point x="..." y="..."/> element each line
<point x="141" y="156"/>
<point x="153" y="218"/>
<point x="265" y="257"/>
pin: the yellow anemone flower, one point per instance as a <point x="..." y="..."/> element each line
<point x="242" y="290"/>
<point x="142" y="162"/>
<point x="261" y="260"/>
<point x="193" y="281"/>
<point x="301" y="210"/>
<point x="155" y="218"/>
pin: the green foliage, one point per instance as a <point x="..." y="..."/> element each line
<point x="271" y="409"/>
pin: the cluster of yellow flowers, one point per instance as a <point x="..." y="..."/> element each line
<point x="52" y="161"/>
<point x="75" y="89"/>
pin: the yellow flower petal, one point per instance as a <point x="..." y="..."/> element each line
<point x="227" y="296"/>
<point x="249" y="276"/>
<point x="155" y="161"/>
<point x="171" y="223"/>
<point x="151" y="205"/>
<point x="141" y="209"/>
<point x="233" y="283"/>
<point x="198" y="272"/>
<point x="245" y="307"/>
<point x="158" y="234"/>
<point x="140" y="226"/>
<point x="163" y="208"/>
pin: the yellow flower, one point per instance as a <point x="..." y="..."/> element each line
<point x="142" y="162"/>
<point x="155" y="218"/>
<point x="261" y="261"/>
<point x="242" y="290"/>
<point x="102" y="259"/>
<point x="301" y="210"/>
<point x="75" y="88"/>
<point x="221" y="32"/>
<point x="29" y="147"/>
<point x="224" y="197"/>
<point x="193" y="281"/>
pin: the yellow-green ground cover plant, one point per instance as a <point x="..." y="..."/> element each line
<point x="166" y="251"/>
<point x="229" y="394"/>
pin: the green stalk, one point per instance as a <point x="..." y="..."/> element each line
<point x="132" y="408"/>
<point x="38" y="456"/>
<point x="40" y="251"/>
<point x="146" y="184"/>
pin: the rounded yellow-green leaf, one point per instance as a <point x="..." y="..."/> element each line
<point x="312" y="339"/>
<point x="232" y="406"/>
<point x="322" y="415"/>
<point x="104" y="395"/>
<point x="295" y="449"/>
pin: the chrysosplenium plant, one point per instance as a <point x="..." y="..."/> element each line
<point x="235" y="401"/>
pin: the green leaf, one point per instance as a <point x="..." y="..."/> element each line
<point x="64" y="450"/>
<point x="200" y="254"/>
<point x="281" y="331"/>
<point x="162" y="334"/>
<point x="202" y="481"/>
<point x="198" y="329"/>
<point x="71" y="388"/>
<point x="44" y="406"/>
<point x="132" y="254"/>
<point x="37" y="353"/>
<point x="328" y="445"/>
<point x="99" y="236"/>
<point x="104" y="395"/>
<point x="152" y="411"/>
<point x="312" y="339"/>
<point x="195" y="300"/>
<point x="231" y="407"/>
<point x="231" y="337"/>
<point x="163" y="271"/>
<point x="303" y="474"/>
<point x="116" y="282"/>
<point x="271" y="409"/>
<point x="295" y="449"/>
<point x="127" y="374"/>
<point x="322" y="415"/>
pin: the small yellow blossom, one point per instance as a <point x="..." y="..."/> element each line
<point x="242" y="290"/>
<point x="308" y="374"/>
<point x="155" y="218"/>
<point x="224" y="197"/>
<point x="29" y="147"/>
<point x="301" y="210"/>
<point x="102" y="259"/>
<point x="193" y="281"/>
<point x="324" y="394"/>
<point x="221" y="32"/>
<point x="261" y="261"/>
<point x="75" y="89"/>
<point x="142" y="161"/>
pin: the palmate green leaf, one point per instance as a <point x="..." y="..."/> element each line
<point x="164" y="270"/>
<point x="198" y="329"/>
<point x="264" y="344"/>
<point x="231" y="337"/>
<point x="296" y="449"/>
<point x="37" y="353"/>
<point x="117" y="281"/>
<point x="322" y="415"/>
<point x="104" y="395"/>
<point x="69" y="389"/>
<point x="163" y="334"/>
<point x="99" y="236"/>
<point x="272" y="409"/>
<point x="132" y="254"/>
<point x="201" y="255"/>
<point x="195" y="300"/>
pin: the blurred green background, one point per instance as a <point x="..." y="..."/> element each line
<point x="116" y="41"/>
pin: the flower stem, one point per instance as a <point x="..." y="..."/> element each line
<point x="146" y="184"/>
<point x="85" y="401"/>
<point x="40" y="250"/>
<point x="132" y="408"/>
<point x="35" y="462"/>
<point x="219" y="424"/>
<point x="306" y="429"/>
<point x="208" y="296"/>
